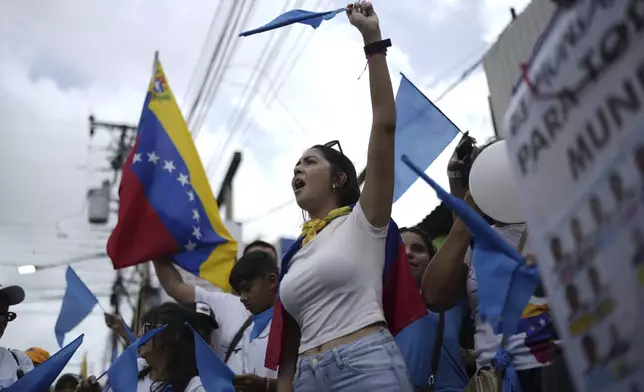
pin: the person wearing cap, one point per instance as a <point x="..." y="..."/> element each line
<point x="37" y="355"/>
<point x="13" y="363"/>
<point x="244" y="321"/>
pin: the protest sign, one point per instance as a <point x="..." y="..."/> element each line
<point x="575" y="137"/>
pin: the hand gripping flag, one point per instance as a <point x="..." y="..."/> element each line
<point x="44" y="375"/>
<point x="78" y="302"/>
<point x="422" y="133"/>
<point x="401" y="300"/>
<point x="166" y="205"/>
<point x="505" y="283"/>
<point x="313" y="19"/>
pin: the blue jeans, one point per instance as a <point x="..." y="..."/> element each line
<point x="372" y="363"/>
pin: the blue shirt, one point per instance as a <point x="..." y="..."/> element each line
<point x="416" y="343"/>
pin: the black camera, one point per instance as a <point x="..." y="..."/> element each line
<point x="465" y="152"/>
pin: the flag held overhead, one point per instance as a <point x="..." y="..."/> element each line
<point x="505" y="282"/>
<point x="313" y="19"/>
<point x="167" y="208"/>
<point x="422" y="133"/>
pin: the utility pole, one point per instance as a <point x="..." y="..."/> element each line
<point x="225" y="194"/>
<point x="125" y="137"/>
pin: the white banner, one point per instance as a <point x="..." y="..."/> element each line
<point x="575" y="133"/>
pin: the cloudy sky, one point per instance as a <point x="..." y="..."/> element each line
<point x="61" y="61"/>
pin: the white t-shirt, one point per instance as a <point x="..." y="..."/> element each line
<point x="147" y="385"/>
<point x="527" y="345"/>
<point x="231" y="314"/>
<point x="9" y="366"/>
<point x="334" y="283"/>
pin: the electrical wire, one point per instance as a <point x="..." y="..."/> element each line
<point x="273" y="210"/>
<point x="202" y="54"/>
<point x="266" y="60"/>
<point x="227" y="45"/>
<point x="460" y="80"/>
<point x="214" y="57"/>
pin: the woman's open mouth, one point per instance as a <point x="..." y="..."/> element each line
<point x="298" y="184"/>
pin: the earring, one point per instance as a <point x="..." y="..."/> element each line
<point x="333" y="186"/>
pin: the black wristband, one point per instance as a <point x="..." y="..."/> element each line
<point x="377" y="47"/>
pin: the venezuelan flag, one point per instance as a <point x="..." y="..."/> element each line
<point x="167" y="208"/>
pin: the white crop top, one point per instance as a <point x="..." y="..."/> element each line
<point x="334" y="283"/>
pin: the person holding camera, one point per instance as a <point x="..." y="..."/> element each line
<point x="450" y="276"/>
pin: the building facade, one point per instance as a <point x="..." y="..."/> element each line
<point x="502" y="62"/>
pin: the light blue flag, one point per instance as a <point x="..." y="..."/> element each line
<point x="41" y="378"/>
<point x="422" y="133"/>
<point x="313" y="19"/>
<point x="215" y="375"/>
<point x="78" y="302"/>
<point x="123" y="375"/>
<point x="505" y="282"/>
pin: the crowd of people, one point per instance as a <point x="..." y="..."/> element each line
<point x="328" y="290"/>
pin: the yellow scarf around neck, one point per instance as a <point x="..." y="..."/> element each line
<point x="314" y="226"/>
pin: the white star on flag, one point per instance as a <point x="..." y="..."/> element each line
<point x="542" y="322"/>
<point x="136" y="158"/>
<point x="191" y="195"/>
<point x="169" y="166"/>
<point x="183" y="179"/>
<point x="153" y="157"/>
<point x="190" y="246"/>
<point x="195" y="214"/>
<point x="196" y="232"/>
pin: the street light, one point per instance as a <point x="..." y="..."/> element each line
<point x="26" y="269"/>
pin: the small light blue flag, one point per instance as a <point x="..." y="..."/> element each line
<point x="44" y="375"/>
<point x="78" y="302"/>
<point x="215" y="375"/>
<point x="422" y="133"/>
<point x="313" y="19"/>
<point x="505" y="283"/>
<point x="123" y="375"/>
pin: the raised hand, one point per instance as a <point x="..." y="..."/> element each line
<point x="362" y="15"/>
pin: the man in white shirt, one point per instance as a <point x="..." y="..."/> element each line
<point x="13" y="363"/>
<point x="244" y="321"/>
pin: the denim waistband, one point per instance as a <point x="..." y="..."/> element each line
<point x="355" y="348"/>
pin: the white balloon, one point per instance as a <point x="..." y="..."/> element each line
<point x="493" y="187"/>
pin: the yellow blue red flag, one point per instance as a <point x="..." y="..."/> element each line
<point x="167" y="208"/>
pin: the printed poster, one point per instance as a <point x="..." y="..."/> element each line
<point x="575" y="135"/>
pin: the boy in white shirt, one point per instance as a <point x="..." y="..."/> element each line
<point x="244" y="321"/>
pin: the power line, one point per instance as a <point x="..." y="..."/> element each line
<point x="266" y="60"/>
<point x="224" y="51"/>
<point x="273" y="210"/>
<point x="203" y="52"/>
<point x="460" y="80"/>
